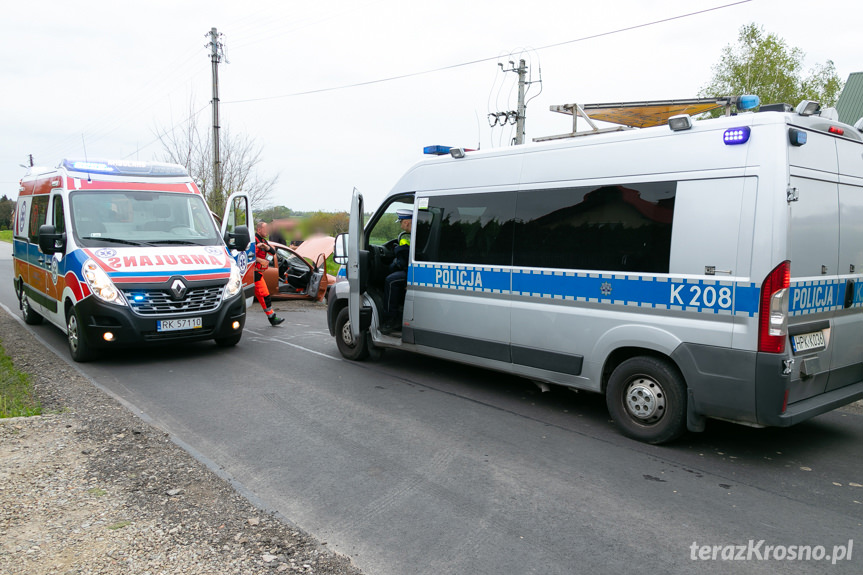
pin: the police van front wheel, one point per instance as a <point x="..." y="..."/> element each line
<point x="79" y="349"/>
<point x="646" y="397"/>
<point x="350" y="348"/>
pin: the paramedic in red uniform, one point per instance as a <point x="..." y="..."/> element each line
<point x="262" y="248"/>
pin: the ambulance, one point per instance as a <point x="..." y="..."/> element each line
<point x="693" y="270"/>
<point x="125" y="253"/>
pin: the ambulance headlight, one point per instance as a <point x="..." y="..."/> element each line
<point x="101" y="285"/>
<point x="235" y="282"/>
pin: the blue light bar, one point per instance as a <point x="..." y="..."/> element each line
<point x="734" y="136"/>
<point x="123" y="167"/>
<point x="436" y="150"/>
<point x="797" y="137"/>
<point x="747" y="102"/>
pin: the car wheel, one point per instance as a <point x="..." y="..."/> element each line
<point x="350" y="348"/>
<point x="230" y="341"/>
<point x="30" y="316"/>
<point x="79" y="348"/>
<point x="646" y="398"/>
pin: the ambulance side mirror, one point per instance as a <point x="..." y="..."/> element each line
<point x="50" y="242"/>
<point x="239" y="239"/>
<point x="340" y="249"/>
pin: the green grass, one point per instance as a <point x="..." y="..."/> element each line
<point x="332" y="267"/>
<point x="6" y="236"/>
<point x="16" y="393"/>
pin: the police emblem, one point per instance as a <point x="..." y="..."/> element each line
<point x="605" y="288"/>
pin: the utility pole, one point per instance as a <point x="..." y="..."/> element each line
<point x="519" y="115"/>
<point x="519" y="123"/>
<point x="217" y="201"/>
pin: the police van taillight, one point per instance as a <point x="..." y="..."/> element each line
<point x="773" y="309"/>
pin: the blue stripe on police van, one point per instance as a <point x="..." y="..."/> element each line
<point x="632" y="290"/>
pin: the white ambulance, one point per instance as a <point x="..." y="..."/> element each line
<point x="120" y="253"/>
<point x="694" y="270"/>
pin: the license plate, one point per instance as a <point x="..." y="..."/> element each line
<point x="807" y="341"/>
<point x="178" y="324"/>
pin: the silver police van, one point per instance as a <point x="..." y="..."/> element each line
<point x="700" y="269"/>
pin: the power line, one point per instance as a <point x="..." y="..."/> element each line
<point x="481" y="60"/>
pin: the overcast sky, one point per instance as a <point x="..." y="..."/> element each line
<point x="110" y="74"/>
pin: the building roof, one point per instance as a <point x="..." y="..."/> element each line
<point x="850" y="104"/>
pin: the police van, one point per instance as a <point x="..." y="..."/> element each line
<point x="120" y="253"/>
<point x="693" y="270"/>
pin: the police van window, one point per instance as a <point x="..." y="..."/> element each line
<point x="623" y="227"/>
<point x="387" y="227"/>
<point x="466" y="228"/>
<point x="38" y="214"/>
<point x="59" y="220"/>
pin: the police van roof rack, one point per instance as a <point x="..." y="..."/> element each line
<point x="630" y="115"/>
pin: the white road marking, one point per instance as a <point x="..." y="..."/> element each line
<point x="261" y="337"/>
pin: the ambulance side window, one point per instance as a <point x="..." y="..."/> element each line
<point x="59" y="216"/>
<point x="38" y="214"/>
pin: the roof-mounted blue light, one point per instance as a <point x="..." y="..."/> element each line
<point x="734" y="136"/>
<point x="747" y="102"/>
<point x="123" y="167"/>
<point x="436" y="150"/>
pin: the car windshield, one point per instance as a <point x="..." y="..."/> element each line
<point x="293" y="259"/>
<point x="141" y="218"/>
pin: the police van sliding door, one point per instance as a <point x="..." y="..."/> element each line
<point x="460" y="276"/>
<point x="814" y="253"/>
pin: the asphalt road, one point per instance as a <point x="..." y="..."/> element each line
<point x="415" y="465"/>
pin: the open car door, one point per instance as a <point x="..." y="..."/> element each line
<point x="355" y="233"/>
<point x="318" y="281"/>
<point x="236" y="224"/>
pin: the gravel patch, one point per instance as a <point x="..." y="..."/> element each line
<point x="91" y="488"/>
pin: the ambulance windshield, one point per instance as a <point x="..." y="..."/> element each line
<point x="141" y="218"/>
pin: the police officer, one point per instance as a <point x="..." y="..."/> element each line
<point x="396" y="282"/>
<point x="262" y="248"/>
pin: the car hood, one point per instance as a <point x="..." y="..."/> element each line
<point x="315" y="246"/>
<point x="159" y="264"/>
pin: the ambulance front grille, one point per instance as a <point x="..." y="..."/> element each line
<point x="159" y="302"/>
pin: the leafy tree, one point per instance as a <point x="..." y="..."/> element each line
<point x="190" y="146"/>
<point x="765" y="65"/>
<point x="274" y="213"/>
<point x="6" y="208"/>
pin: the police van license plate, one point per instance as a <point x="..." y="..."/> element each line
<point x="807" y="341"/>
<point x="178" y="324"/>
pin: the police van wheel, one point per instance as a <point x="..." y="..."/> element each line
<point x="79" y="349"/>
<point x="348" y="346"/>
<point x="30" y="316"/>
<point x="646" y="397"/>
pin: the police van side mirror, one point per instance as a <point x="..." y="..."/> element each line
<point x="340" y="249"/>
<point x="50" y="242"/>
<point x="239" y="239"/>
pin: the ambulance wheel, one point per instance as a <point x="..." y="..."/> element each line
<point x="348" y="346"/>
<point x="646" y="397"/>
<point x="79" y="349"/>
<point x="229" y="341"/>
<point x="30" y="316"/>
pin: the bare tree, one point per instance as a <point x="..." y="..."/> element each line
<point x="187" y="144"/>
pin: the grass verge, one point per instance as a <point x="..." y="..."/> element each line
<point x="6" y="236"/>
<point x="16" y="394"/>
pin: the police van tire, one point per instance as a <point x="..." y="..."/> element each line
<point x="229" y="341"/>
<point x="646" y="397"/>
<point x="30" y="316"/>
<point x="348" y="347"/>
<point x="79" y="348"/>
